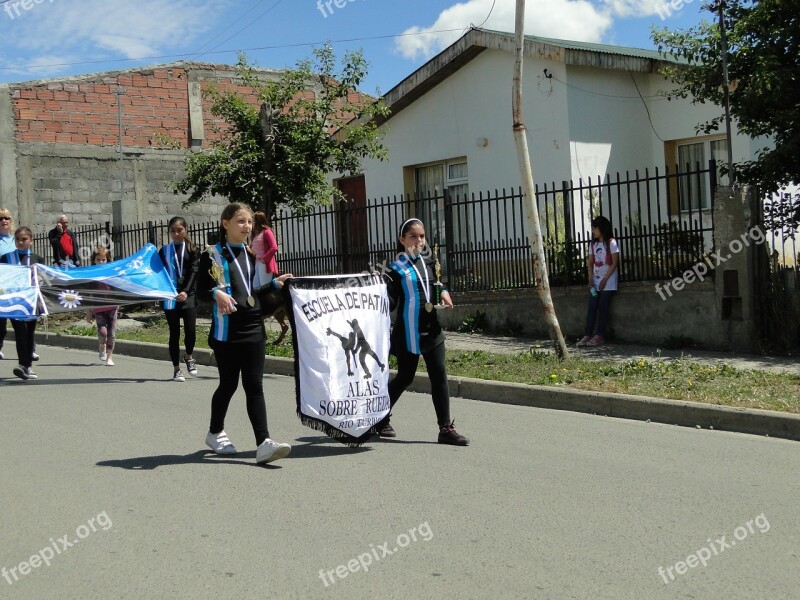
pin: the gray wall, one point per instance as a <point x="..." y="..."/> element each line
<point x="84" y="181"/>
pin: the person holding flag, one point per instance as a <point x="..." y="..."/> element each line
<point x="182" y="260"/>
<point x="24" y="328"/>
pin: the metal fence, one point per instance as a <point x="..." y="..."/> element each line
<point x="483" y="241"/>
<point x="662" y="222"/>
<point x="127" y="239"/>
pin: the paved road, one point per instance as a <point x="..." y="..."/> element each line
<point x="543" y="504"/>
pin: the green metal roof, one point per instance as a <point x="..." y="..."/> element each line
<point x="591" y="47"/>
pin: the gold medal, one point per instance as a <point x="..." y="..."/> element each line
<point x="429" y="306"/>
<point x="251" y="302"/>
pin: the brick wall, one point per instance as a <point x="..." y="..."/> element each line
<point x="84" y="110"/>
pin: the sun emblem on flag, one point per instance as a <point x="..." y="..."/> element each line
<point x="70" y="299"/>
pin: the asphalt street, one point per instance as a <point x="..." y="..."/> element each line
<point x="109" y="492"/>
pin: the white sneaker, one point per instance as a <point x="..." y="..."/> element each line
<point x="178" y="376"/>
<point x="103" y="355"/>
<point x="35" y="356"/>
<point x="31" y="374"/>
<point x="269" y="451"/>
<point x="220" y="443"/>
<point x="109" y="363"/>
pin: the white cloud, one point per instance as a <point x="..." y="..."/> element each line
<point x="105" y="30"/>
<point x="579" y="20"/>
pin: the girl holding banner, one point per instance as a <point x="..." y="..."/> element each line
<point x="24" y="329"/>
<point x="182" y="261"/>
<point x="237" y="336"/>
<point x="417" y="331"/>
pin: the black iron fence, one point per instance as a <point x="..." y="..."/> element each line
<point x="662" y="221"/>
<point x="127" y="239"/>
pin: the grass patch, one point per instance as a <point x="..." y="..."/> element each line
<point x="675" y="379"/>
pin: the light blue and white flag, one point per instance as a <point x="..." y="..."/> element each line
<point x="138" y="278"/>
<point x="18" y="296"/>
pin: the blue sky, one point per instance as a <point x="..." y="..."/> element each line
<point x="52" y="38"/>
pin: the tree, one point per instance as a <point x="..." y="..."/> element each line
<point x="764" y="70"/>
<point x="532" y="211"/>
<point x="311" y="122"/>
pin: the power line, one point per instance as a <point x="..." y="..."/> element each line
<point x="177" y="56"/>
<point x="253" y="22"/>
<point x="220" y="32"/>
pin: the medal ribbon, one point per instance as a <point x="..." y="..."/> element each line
<point x="425" y="289"/>
<point x="247" y="283"/>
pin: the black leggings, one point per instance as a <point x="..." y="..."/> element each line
<point x="3" y="331"/>
<point x="189" y="332"/>
<point x="24" y="332"/>
<point x="247" y="359"/>
<point x="406" y="369"/>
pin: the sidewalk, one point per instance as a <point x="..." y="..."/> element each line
<point x="620" y="352"/>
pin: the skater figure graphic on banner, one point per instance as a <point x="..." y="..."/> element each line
<point x="364" y="349"/>
<point x="349" y="347"/>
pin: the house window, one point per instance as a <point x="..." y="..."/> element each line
<point x="694" y="189"/>
<point x="443" y="188"/>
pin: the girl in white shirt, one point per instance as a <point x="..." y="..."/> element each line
<point x="601" y="263"/>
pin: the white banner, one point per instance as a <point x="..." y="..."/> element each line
<point x="341" y="337"/>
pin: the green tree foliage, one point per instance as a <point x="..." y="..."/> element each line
<point x="764" y="71"/>
<point x="312" y="122"/>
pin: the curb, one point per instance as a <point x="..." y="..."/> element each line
<point x="621" y="406"/>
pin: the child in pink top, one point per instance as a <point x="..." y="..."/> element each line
<point x="265" y="246"/>
<point x="105" y="316"/>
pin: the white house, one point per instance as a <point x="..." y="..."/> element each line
<point x="590" y="109"/>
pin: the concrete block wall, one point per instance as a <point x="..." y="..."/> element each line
<point x="638" y="314"/>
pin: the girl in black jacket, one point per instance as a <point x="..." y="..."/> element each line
<point x="182" y="260"/>
<point x="416" y="330"/>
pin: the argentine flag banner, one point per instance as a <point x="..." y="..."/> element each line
<point x="341" y="349"/>
<point x="138" y="278"/>
<point x="18" y="296"/>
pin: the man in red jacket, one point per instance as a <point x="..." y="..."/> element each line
<point x="65" y="244"/>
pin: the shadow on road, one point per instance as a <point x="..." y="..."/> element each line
<point x="148" y="463"/>
<point x="320" y="447"/>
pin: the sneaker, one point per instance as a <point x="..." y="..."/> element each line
<point x="270" y="450"/>
<point x="583" y="340"/>
<point x="102" y="355"/>
<point x="449" y="435"/>
<point x="110" y="362"/>
<point x="596" y="341"/>
<point x="220" y="443"/>
<point x="34" y="356"/>
<point x="179" y="376"/>
<point x="2" y="356"/>
<point x="31" y="374"/>
<point x="21" y="372"/>
<point x="387" y="431"/>
<point x="191" y="365"/>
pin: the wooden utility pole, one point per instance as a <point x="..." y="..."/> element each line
<point x="534" y="226"/>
